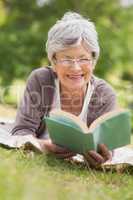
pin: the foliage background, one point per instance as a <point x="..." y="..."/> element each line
<point x="23" y="33"/>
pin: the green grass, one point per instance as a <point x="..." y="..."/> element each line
<point x="43" y="177"/>
<point x="34" y="176"/>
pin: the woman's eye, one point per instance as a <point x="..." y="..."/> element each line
<point x="83" y="60"/>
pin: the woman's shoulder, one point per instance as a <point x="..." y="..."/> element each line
<point x="42" y="74"/>
<point x="42" y="71"/>
<point x="102" y="86"/>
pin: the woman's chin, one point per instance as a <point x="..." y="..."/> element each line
<point x="75" y="86"/>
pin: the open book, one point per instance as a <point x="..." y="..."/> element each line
<point x="121" y="157"/>
<point x="67" y="130"/>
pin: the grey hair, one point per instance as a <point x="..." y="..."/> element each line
<point x="71" y="30"/>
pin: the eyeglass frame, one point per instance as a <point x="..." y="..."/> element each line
<point x="69" y="62"/>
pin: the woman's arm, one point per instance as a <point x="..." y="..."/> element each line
<point x="30" y="112"/>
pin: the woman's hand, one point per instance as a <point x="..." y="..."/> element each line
<point x="60" y="152"/>
<point x="94" y="159"/>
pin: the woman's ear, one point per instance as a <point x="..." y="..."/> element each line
<point x="54" y="70"/>
<point x="93" y="67"/>
<point x="53" y="62"/>
<point x="53" y="67"/>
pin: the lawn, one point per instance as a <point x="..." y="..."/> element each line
<point x="34" y="176"/>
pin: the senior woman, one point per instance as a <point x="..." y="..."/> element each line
<point x="68" y="84"/>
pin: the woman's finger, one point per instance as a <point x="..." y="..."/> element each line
<point x="96" y="156"/>
<point x="58" y="149"/>
<point x="90" y="161"/>
<point x="49" y="146"/>
<point x="103" y="150"/>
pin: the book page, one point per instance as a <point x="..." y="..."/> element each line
<point x="71" y="117"/>
<point x="123" y="155"/>
<point x="104" y="117"/>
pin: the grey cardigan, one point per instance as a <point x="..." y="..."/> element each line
<point x="38" y="98"/>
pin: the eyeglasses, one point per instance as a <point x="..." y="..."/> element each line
<point x="70" y="62"/>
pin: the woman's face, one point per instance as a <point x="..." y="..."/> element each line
<point x="74" y="67"/>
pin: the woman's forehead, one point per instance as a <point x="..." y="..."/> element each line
<point x="77" y="51"/>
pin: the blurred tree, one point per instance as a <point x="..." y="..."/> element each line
<point x="24" y="26"/>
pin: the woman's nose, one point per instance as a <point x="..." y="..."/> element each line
<point x="76" y="65"/>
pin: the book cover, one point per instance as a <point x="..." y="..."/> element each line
<point x="112" y="129"/>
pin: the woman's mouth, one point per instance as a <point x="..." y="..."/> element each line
<point x="75" y="77"/>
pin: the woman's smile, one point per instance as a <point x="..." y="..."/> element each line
<point x="75" y="77"/>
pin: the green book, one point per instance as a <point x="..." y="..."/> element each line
<point x="112" y="129"/>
